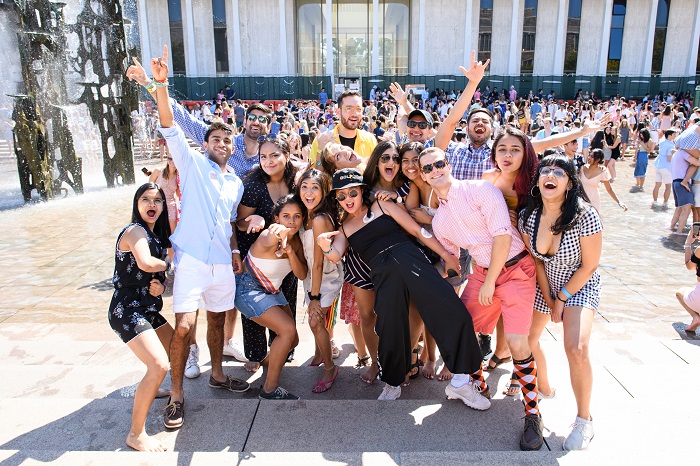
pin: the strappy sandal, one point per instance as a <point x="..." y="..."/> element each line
<point x="362" y="362"/>
<point x="416" y="365"/>
<point x="513" y="387"/>
<point x="496" y="361"/>
<point x="325" y="385"/>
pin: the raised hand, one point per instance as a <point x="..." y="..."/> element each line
<point x="398" y="93"/>
<point x="255" y="223"/>
<point x="591" y="126"/>
<point x="159" y="66"/>
<point x="476" y="69"/>
<point x="137" y="73"/>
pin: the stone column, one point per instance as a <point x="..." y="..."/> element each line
<point x="284" y="70"/>
<point x="682" y="37"/>
<point x="421" y="37"/>
<point x="560" y="43"/>
<point x="514" y="48"/>
<point x="605" y="39"/>
<point x="469" y="13"/>
<point x="143" y="34"/>
<point x="233" y="33"/>
<point x="638" y="38"/>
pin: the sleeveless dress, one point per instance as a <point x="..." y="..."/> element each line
<point x="566" y="261"/>
<point x="590" y="185"/>
<point x="332" y="278"/>
<point x="133" y="310"/>
<point x="172" y="201"/>
<point x="400" y="270"/>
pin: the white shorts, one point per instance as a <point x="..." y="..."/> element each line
<point x="695" y="189"/>
<point x="654" y="136"/>
<point x="663" y="175"/>
<point x="214" y="284"/>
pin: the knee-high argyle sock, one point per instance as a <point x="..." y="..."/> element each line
<point x="526" y="372"/>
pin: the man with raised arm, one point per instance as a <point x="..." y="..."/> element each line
<point x="206" y="252"/>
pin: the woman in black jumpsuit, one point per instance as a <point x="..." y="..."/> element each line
<point x="397" y="265"/>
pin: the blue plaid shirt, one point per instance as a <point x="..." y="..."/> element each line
<point x="469" y="163"/>
<point x="239" y="161"/>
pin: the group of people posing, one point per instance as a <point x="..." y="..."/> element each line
<point x="426" y="238"/>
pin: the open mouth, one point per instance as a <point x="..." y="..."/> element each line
<point x="389" y="172"/>
<point x="310" y="200"/>
<point x="550" y="185"/>
<point x="151" y="213"/>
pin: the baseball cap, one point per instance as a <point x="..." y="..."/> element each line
<point x="347" y="178"/>
<point x="422" y="113"/>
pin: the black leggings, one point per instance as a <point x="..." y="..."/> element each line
<point x="397" y="270"/>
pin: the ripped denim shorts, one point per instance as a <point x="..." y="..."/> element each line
<point x="252" y="299"/>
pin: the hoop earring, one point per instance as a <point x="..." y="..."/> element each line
<point x="566" y="194"/>
<point x="532" y="191"/>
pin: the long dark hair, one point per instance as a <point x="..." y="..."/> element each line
<point x="324" y="181"/>
<point x="528" y="167"/>
<point x="371" y="175"/>
<point x="575" y="203"/>
<point x="162" y="227"/>
<point x="290" y="170"/>
<point x="286" y="200"/>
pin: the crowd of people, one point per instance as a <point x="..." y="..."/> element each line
<point x="422" y="230"/>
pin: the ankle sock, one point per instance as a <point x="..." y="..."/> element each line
<point x="459" y="380"/>
<point x="526" y="373"/>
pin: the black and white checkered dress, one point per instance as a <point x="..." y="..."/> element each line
<point x="567" y="260"/>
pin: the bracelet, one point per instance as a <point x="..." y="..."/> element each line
<point x="330" y="250"/>
<point x="235" y="251"/>
<point x="562" y="300"/>
<point x="314" y="297"/>
<point x="163" y="81"/>
<point x="160" y="84"/>
<point x="566" y="293"/>
<point x="687" y="246"/>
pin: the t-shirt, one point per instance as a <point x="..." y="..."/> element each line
<point x="378" y="132"/>
<point x="323" y="98"/>
<point x="679" y="164"/>
<point x="665" y="148"/>
<point x="239" y="111"/>
<point x="349" y="142"/>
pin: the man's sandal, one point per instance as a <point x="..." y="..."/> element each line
<point x="513" y="387"/>
<point x="495" y="361"/>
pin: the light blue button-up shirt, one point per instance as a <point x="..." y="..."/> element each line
<point x="210" y="201"/>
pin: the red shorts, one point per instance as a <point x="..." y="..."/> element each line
<point x="514" y="298"/>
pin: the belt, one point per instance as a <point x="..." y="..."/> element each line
<point x="515" y="260"/>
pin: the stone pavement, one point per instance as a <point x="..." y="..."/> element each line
<point x="67" y="381"/>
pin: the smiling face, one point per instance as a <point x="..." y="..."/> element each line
<point x="291" y="217"/>
<point x="272" y="159"/>
<point x="255" y="129"/>
<point x="436" y="177"/>
<point x="150" y="206"/>
<point x="479" y="128"/>
<point x="416" y="134"/>
<point x="219" y="146"/>
<point x="351" y="198"/>
<point x="409" y="165"/>
<point x="553" y="183"/>
<point x="343" y="156"/>
<point x="351" y="112"/>
<point x="311" y="193"/>
<point x="509" y="153"/>
<point x="389" y="164"/>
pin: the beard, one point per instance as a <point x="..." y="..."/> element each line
<point x="479" y="139"/>
<point x="347" y="124"/>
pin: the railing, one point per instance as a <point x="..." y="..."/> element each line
<point x="251" y="87"/>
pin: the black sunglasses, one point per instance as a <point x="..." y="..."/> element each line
<point x="427" y="168"/>
<point x="384" y="158"/>
<point x="419" y="124"/>
<point x="263" y="120"/>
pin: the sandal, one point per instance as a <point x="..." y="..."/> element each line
<point x="496" y="361"/>
<point x="325" y="385"/>
<point x="542" y="396"/>
<point x="513" y="387"/>
<point x="416" y="365"/>
<point x="362" y="362"/>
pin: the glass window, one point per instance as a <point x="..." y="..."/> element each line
<point x="311" y="37"/>
<point x="657" y="59"/>
<point x="351" y="38"/>
<point x="394" y="20"/>
<point x="220" y="42"/>
<point x="616" y="29"/>
<point x="485" y="22"/>
<point x="573" y="30"/>
<point x="529" y="30"/>
<point x="177" y="38"/>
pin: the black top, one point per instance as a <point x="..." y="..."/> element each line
<point x="695" y="261"/>
<point x="256" y="195"/>
<point x="378" y="235"/>
<point x="349" y="142"/>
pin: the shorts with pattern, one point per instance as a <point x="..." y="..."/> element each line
<point x="129" y="322"/>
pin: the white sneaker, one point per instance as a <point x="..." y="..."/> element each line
<point x="234" y="350"/>
<point x="192" y="370"/>
<point x="469" y="394"/>
<point x="335" y="351"/>
<point x="580" y="436"/>
<point x="390" y="392"/>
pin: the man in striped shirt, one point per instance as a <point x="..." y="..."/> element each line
<point x="473" y="215"/>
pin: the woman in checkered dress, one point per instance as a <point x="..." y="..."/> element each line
<point x="564" y="234"/>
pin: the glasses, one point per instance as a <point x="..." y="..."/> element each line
<point x="156" y="200"/>
<point x="556" y="172"/>
<point x="263" y="120"/>
<point x="386" y="157"/>
<point x="427" y="168"/>
<point x="268" y="138"/>
<point x="419" y="124"/>
<point x="341" y="197"/>
<point x="349" y="108"/>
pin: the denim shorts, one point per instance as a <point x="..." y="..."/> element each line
<point x="252" y="299"/>
<point x="681" y="195"/>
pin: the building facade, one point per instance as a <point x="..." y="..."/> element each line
<point x="351" y="39"/>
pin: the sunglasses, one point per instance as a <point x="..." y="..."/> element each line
<point x="353" y="193"/>
<point x="267" y="138"/>
<point x="427" y="168"/>
<point x="419" y="124"/>
<point x="556" y="172"/>
<point x="386" y="157"/>
<point x="263" y="120"/>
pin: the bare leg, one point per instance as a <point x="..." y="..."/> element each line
<point x="179" y="350"/>
<point x="502" y="350"/>
<point x="611" y="168"/>
<point x="230" y="324"/>
<point x="358" y="340"/>
<point x="281" y="322"/>
<point x="365" y="304"/>
<point x="215" y="342"/>
<point x="577" y="333"/>
<point x="323" y="344"/>
<point x="655" y="192"/>
<point x="415" y="328"/>
<point x="428" y="355"/>
<point x="539" y="322"/>
<point x="667" y="192"/>
<point x="149" y="349"/>
<point x="193" y="334"/>
<point x="683" y="218"/>
<point x="694" y="314"/>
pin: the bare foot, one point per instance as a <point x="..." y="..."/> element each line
<point x="693" y="325"/>
<point x="251" y="366"/>
<point x="429" y="370"/>
<point x="444" y="374"/>
<point x="163" y="392"/>
<point x="370" y="374"/>
<point x="144" y="442"/>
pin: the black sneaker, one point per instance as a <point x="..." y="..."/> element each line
<point x="174" y="415"/>
<point x="485" y="345"/>
<point x="278" y="393"/>
<point x="532" y="433"/>
<point x="231" y="384"/>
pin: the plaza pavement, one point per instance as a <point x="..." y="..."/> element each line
<point x="67" y="381"/>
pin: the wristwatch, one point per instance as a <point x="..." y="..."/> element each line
<point x="235" y="251"/>
<point x="399" y="200"/>
<point x="314" y="297"/>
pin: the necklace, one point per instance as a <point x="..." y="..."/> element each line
<point x="369" y="216"/>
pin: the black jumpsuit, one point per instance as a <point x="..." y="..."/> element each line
<point x="397" y="266"/>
